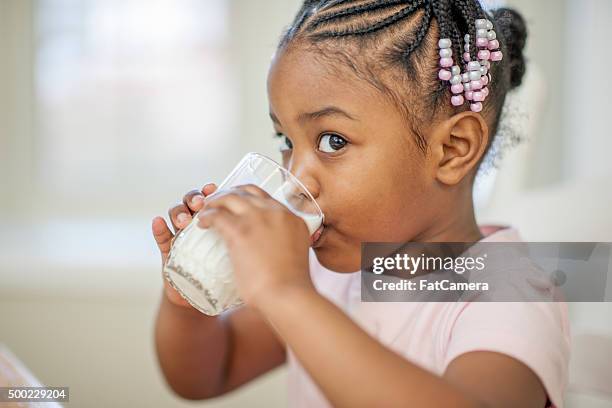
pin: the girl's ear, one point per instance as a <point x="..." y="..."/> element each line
<point x="458" y="145"/>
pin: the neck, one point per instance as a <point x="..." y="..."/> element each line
<point x="454" y="224"/>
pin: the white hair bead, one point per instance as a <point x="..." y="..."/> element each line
<point x="475" y="75"/>
<point x="481" y="23"/>
<point x="482" y="33"/>
<point x="489" y="25"/>
<point x="492" y="35"/>
<point x="455" y="80"/>
<point x="455" y="70"/>
<point x="444" y="43"/>
<point x="465" y="77"/>
<point x="446" y="53"/>
<point x="474" y="66"/>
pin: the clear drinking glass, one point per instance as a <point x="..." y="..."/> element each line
<point x="198" y="265"/>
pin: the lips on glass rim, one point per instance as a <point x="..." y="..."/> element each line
<point x="317" y="234"/>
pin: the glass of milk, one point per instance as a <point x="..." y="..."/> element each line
<point x="198" y="265"/>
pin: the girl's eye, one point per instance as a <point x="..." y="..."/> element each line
<point x="331" y="143"/>
<point x="285" y="144"/>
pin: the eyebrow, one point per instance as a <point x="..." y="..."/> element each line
<point x="310" y="116"/>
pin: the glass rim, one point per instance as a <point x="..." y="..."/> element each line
<point x="291" y="176"/>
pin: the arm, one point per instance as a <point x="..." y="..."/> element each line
<point x="203" y="357"/>
<point x="338" y="354"/>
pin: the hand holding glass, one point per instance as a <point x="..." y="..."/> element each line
<point x="198" y="265"/>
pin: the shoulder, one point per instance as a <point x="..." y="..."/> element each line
<point x="534" y="333"/>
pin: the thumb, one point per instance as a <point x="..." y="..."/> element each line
<point x="163" y="236"/>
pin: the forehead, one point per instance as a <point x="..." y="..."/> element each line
<point x="300" y="80"/>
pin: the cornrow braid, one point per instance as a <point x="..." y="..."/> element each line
<point x="422" y="32"/>
<point x="441" y="10"/>
<point x="333" y="3"/>
<point x="380" y="25"/>
<point x="351" y="11"/>
<point x="469" y="12"/>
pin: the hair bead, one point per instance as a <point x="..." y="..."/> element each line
<point x="479" y="97"/>
<point x="476" y="85"/>
<point x="484" y="54"/>
<point x="475" y="75"/>
<point x="457" y="100"/>
<point x="493" y="45"/>
<point x="497" y="56"/>
<point x="446" y="62"/>
<point x="457" y="89"/>
<point x="470" y="83"/>
<point x="444" y="43"/>
<point x="445" y="75"/>
<point x="481" y="23"/>
<point x="473" y="66"/>
<point x="456" y="80"/>
<point x="446" y="53"/>
<point x="482" y="42"/>
<point x="476" y="107"/>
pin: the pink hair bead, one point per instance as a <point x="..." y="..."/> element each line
<point x="466" y="57"/>
<point x="476" y="107"/>
<point x="477" y="85"/>
<point x="446" y="62"/>
<point x="493" y="45"/>
<point x="479" y="97"/>
<point x="485" y="91"/>
<point x="485" y="80"/>
<point x="482" y="42"/>
<point x="457" y="100"/>
<point x="484" y="54"/>
<point x="497" y="56"/>
<point x="469" y="95"/>
<point x="445" y="75"/>
<point x="457" y="89"/>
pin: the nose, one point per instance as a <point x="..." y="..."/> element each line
<point x="304" y="170"/>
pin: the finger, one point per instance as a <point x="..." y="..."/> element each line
<point x="254" y="190"/>
<point x="234" y="201"/>
<point x="180" y="217"/>
<point x="224" y="222"/>
<point x="208" y="189"/>
<point x="163" y="236"/>
<point x="265" y="198"/>
<point x="194" y="201"/>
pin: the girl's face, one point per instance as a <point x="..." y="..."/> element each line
<point x="352" y="150"/>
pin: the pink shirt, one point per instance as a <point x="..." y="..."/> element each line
<point x="431" y="334"/>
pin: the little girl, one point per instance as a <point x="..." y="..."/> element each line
<point x="385" y="110"/>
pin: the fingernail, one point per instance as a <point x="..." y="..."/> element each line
<point x="197" y="199"/>
<point x="182" y="218"/>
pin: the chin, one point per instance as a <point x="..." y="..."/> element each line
<point x="332" y="259"/>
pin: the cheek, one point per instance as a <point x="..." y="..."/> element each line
<point x="380" y="200"/>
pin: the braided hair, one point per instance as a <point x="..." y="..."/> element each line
<point x="392" y="45"/>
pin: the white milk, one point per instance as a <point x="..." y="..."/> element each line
<point x="199" y="266"/>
